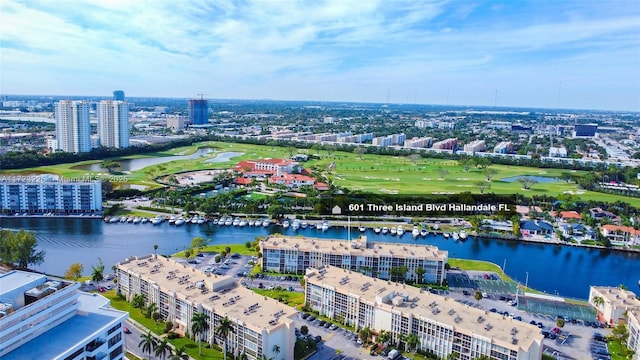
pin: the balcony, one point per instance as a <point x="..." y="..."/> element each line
<point x="100" y="356"/>
<point x="92" y="346"/>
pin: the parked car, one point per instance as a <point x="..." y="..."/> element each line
<point x="126" y="330"/>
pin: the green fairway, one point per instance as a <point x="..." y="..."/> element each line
<point x="372" y="173"/>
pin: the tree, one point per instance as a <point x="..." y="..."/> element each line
<point x="527" y="182"/>
<point x="560" y="322"/>
<point x="442" y="173"/>
<point x="19" y="249"/>
<point x="276" y="350"/>
<point x="155" y="249"/>
<point x="412" y="341"/>
<point x="199" y="242"/>
<point x="222" y="330"/>
<point x="148" y="342"/>
<point x="420" y="274"/>
<point x="364" y="334"/>
<point x="515" y="221"/>
<point x="477" y="295"/>
<point x="483" y="186"/>
<point x="110" y="165"/>
<point x="74" y="271"/>
<point x="384" y="337"/>
<point x="359" y="151"/>
<point x="476" y="222"/>
<point x="162" y="348"/>
<point x="304" y="330"/>
<point x="179" y="354"/>
<point x="151" y="309"/>
<point x="97" y="272"/>
<point x="414" y="158"/>
<point x="489" y="173"/>
<point x="598" y="301"/>
<point x="138" y="301"/>
<point x="620" y="333"/>
<point x="465" y="163"/>
<point x="199" y="325"/>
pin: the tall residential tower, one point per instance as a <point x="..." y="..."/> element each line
<point x="113" y="123"/>
<point x="73" y="131"/>
<point x="198" y="112"/>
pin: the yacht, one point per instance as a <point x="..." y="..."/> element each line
<point x="202" y="221"/>
<point x="243" y="223"/>
<point x="295" y="225"/>
<point x="136" y="220"/>
<point x="455" y="236"/>
<point x="400" y="230"/>
<point x="257" y="223"/>
<point x="195" y="219"/>
<point x="114" y="219"/>
<point x="325" y="225"/>
<point x="385" y="229"/>
<point x="463" y="235"/>
<point x="415" y="232"/>
<point x="377" y="230"/>
<point x="235" y="222"/>
<point x="319" y="226"/>
<point x="157" y="220"/>
<point x="123" y="219"/>
<point x="362" y="228"/>
<point x="252" y="222"/>
<point x="179" y="221"/>
<point x="304" y="225"/>
<point x="436" y="226"/>
<point x="393" y="230"/>
<point x="144" y="220"/>
<point x="172" y="219"/>
<point x="228" y="221"/>
<point x="285" y="224"/>
<point x="265" y="222"/>
<point x="446" y="235"/>
<point x="215" y="221"/>
<point x="424" y="232"/>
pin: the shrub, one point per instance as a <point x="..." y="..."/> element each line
<point x="173" y="335"/>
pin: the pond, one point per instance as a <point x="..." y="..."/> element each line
<point x="540" y="179"/>
<point x="223" y="157"/>
<point x="141" y="163"/>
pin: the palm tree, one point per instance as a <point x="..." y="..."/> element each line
<point x="138" y="301"/>
<point x="412" y="342"/>
<point x="276" y="350"/>
<point x="384" y="337"/>
<point x="152" y="308"/>
<point x="148" y="342"/>
<point x="162" y="348"/>
<point x="97" y="273"/>
<point x="598" y="301"/>
<point x="155" y="248"/>
<point x="199" y="325"/>
<point x="420" y="274"/>
<point x="222" y="330"/>
<point x="179" y="354"/>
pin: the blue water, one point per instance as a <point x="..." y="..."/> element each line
<point x="554" y="269"/>
<point x="141" y="163"/>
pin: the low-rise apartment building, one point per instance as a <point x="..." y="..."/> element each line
<point x="443" y="325"/>
<point x="39" y="195"/>
<point x="48" y="318"/>
<point x="612" y="303"/>
<point x="633" y="342"/>
<point x="180" y="291"/>
<point x="475" y="146"/>
<point x="383" y="260"/>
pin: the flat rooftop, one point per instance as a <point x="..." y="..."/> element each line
<point x="14" y="280"/>
<point x="618" y="297"/>
<point x="423" y="304"/>
<point x="357" y="247"/>
<point x="221" y="293"/>
<point x="78" y="329"/>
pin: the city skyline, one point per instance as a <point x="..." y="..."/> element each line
<point x="548" y="55"/>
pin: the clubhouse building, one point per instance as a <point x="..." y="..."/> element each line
<point x="443" y="325"/>
<point x="180" y="291"/>
<point x="293" y="255"/>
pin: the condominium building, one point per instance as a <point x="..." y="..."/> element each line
<point x="447" y="144"/>
<point x="48" y="318"/>
<point x="198" y="112"/>
<point x="503" y="147"/>
<point x="612" y="303"/>
<point x="113" y="123"/>
<point x="423" y="142"/>
<point x="39" y="194"/>
<point x="443" y="326"/>
<point x="383" y="141"/>
<point x="179" y="290"/>
<point x="73" y="130"/>
<point x="475" y="146"/>
<point x="383" y="260"/>
<point x="633" y="342"/>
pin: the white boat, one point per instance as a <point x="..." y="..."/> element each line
<point x="415" y="232"/>
<point x="362" y="228"/>
<point x="215" y="221"/>
<point x="195" y="219"/>
<point x="385" y="230"/>
<point x="144" y="220"/>
<point x="423" y="232"/>
<point x="295" y="225"/>
<point x="463" y="235"/>
<point x="136" y="220"/>
<point x="252" y="222"/>
<point x="235" y="222"/>
<point x="130" y="219"/>
<point x="377" y="230"/>
<point x="123" y="219"/>
<point x="114" y="219"/>
<point x="455" y="236"/>
<point x="319" y="226"/>
<point x="393" y="230"/>
<point x="265" y="223"/>
<point x="243" y="223"/>
<point x="172" y="220"/>
<point x="304" y="224"/>
<point x="257" y="223"/>
<point x="285" y="224"/>
<point x="202" y="221"/>
<point x="157" y="220"/>
<point x="179" y="221"/>
<point x="325" y="226"/>
<point x="436" y="226"/>
<point x="400" y="230"/>
<point x="446" y="235"/>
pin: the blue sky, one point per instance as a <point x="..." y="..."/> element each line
<point x="575" y="54"/>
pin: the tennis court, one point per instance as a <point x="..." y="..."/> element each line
<point x="556" y="308"/>
<point x="487" y="285"/>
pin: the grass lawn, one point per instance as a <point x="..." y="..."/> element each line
<point x="372" y="173"/>
<point x="290" y="298"/>
<point x="235" y="248"/>
<point x="618" y="351"/>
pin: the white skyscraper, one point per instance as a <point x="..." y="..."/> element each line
<point x="113" y="123"/>
<point x="73" y="131"/>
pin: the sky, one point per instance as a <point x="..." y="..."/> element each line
<point x="582" y="54"/>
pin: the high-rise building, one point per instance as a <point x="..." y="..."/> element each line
<point x="49" y="318"/>
<point x="73" y="131"/>
<point x="113" y="123"/>
<point x="198" y="112"/>
<point x="118" y="95"/>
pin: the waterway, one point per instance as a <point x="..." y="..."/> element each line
<point x="141" y="163"/>
<point x="563" y="270"/>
